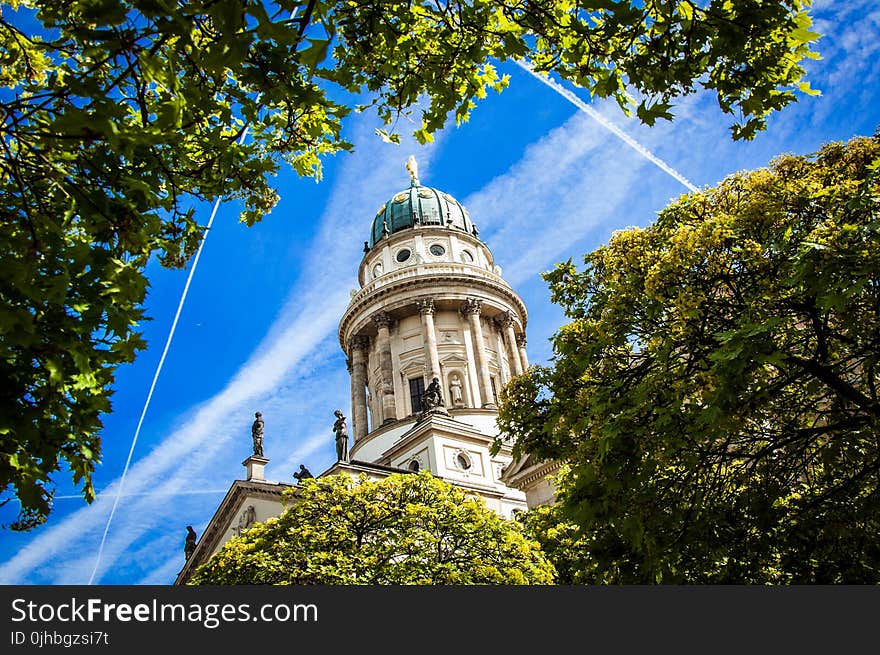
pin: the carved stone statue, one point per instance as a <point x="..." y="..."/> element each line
<point x="190" y="545"/>
<point x="247" y="519"/>
<point x="341" y="433"/>
<point x="455" y="391"/>
<point x="433" y="397"/>
<point x="257" y="434"/>
<point x="303" y="473"/>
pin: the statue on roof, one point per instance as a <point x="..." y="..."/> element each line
<point x="303" y="473"/>
<point x="189" y="546"/>
<point x="433" y="396"/>
<point x="257" y="434"/>
<point x="341" y="433"/>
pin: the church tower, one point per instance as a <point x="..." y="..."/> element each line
<point x="431" y="337"/>
<point x="432" y="307"/>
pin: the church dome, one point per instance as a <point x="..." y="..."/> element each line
<point x="419" y="205"/>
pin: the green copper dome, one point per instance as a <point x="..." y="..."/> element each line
<point x="419" y="205"/>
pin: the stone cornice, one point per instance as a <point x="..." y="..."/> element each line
<point x="531" y="474"/>
<point x="429" y="282"/>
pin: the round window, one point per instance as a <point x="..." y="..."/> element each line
<point x="463" y="461"/>
<point x="437" y="250"/>
<point x="403" y="255"/>
<point x="414" y="465"/>
<point x="467" y="257"/>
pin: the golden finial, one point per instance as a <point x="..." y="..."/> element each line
<point x="413" y="169"/>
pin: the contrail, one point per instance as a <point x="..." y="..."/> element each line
<point x="181" y="492"/>
<point x="161" y="363"/>
<point x="604" y="122"/>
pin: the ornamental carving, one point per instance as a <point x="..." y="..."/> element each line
<point x="247" y="519"/>
<point x="426" y="306"/>
<point x="382" y="319"/>
<point x="472" y="306"/>
<point x="358" y="343"/>
<point x="506" y="319"/>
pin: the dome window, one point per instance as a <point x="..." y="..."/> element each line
<point x="437" y="250"/>
<point x="467" y="257"/>
<point x="402" y="255"/>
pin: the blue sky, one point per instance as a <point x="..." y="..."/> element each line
<point x="543" y="181"/>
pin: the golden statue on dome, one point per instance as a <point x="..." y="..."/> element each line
<point x="413" y="169"/>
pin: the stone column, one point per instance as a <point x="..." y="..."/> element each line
<point x="389" y="408"/>
<point x="426" y="310"/>
<point x="472" y="309"/>
<point x="358" y="370"/>
<point x="521" y="342"/>
<point x="510" y="339"/>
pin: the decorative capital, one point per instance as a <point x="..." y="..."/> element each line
<point x="472" y="306"/>
<point x="506" y="319"/>
<point x="382" y="319"/>
<point x="359" y="342"/>
<point x="521" y="340"/>
<point x="426" y="306"/>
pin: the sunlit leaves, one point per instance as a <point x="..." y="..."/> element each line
<point x="405" y="529"/>
<point x="715" y="392"/>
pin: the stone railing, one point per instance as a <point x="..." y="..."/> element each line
<point x="427" y="269"/>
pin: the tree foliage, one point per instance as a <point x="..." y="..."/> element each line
<point x="716" y="389"/>
<point x="402" y="530"/>
<point x="116" y="115"/>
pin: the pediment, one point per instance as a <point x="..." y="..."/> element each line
<point x="452" y="359"/>
<point x="413" y="365"/>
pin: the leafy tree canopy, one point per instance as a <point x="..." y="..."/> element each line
<point x="116" y="114"/>
<point x="715" y="392"/>
<point x="403" y="530"/>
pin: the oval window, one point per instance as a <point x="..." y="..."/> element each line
<point x="437" y="250"/>
<point x="403" y="255"/>
<point x="463" y="461"/>
<point x="467" y="257"/>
